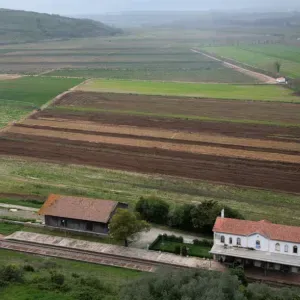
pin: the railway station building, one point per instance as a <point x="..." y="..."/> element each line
<point x="79" y="214"/>
<point x="259" y="244"/>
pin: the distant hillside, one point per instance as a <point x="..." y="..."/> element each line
<point x="200" y="19"/>
<point x="21" y="26"/>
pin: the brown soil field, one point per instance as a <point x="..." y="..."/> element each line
<point x="142" y="143"/>
<point x="261" y="156"/>
<point x="276" y="133"/>
<point x="159" y="134"/>
<point x="246" y="172"/>
<point x="226" y="109"/>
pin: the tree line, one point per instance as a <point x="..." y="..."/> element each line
<point x="202" y="285"/>
<point x="198" y="218"/>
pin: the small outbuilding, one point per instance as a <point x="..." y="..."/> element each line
<point x="79" y="214"/>
<point x="281" y="80"/>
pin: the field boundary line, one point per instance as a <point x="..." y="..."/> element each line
<point x="262" y="77"/>
<point x="58" y="97"/>
<point x="44" y="106"/>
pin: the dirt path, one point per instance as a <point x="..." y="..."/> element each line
<point x="9" y="76"/>
<point x="262" y="77"/>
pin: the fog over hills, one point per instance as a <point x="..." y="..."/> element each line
<point x="71" y="7"/>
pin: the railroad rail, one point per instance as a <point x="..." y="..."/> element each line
<point x="86" y="256"/>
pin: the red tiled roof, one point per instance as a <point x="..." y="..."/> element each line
<point x="78" y="208"/>
<point x="272" y="231"/>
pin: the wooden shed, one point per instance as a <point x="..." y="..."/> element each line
<point x="78" y="213"/>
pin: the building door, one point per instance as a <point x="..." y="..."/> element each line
<point x="89" y="226"/>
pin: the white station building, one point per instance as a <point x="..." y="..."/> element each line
<point x="258" y="244"/>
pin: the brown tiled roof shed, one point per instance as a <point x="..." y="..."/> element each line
<point x="79" y="208"/>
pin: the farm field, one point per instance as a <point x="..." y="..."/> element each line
<point x="38" y="178"/>
<point x="263" y="56"/>
<point x="146" y="56"/>
<point x="255" y="155"/>
<point x="18" y="97"/>
<point x="220" y="91"/>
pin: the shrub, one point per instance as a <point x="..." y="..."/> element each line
<point x="153" y="209"/>
<point x="75" y="275"/>
<point x="177" y="249"/>
<point x="172" y="238"/>
<point x="28" y="268"/>
<point x="239" y="272"/>
<point x="93" y="282"/>
<point x="49" y="264"/>
<point x="86" y="293"/>
<point x="11" y="273"/>
<point x="184" y="251"/>
<point x="203" y="242"/>
<point x="57" y="278"/>
<point x="185" y="220"/>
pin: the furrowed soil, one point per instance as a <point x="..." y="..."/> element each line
<point x="185" y="106"/>
<point x="254" y="155"/>
<point x="255" y="173"/>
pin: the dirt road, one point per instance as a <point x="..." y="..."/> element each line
<point x="261" y="77"/>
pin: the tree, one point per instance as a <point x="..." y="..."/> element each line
<point x="126" y="224"/>
<point x="204" y="215"/>
<point x="277" y="66"/>
<point x="190" y="285"/>
<point x="180" y="217"/>
<point x="153" y="209"/>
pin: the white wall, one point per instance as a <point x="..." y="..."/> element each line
<point x="250" y="242"/>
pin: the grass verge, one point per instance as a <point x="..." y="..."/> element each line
<point x="37" y="284"/>
<point x="19" y="175"/>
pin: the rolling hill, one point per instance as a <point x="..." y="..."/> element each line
<point x="22" y="26"/>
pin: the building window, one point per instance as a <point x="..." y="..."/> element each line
<point x="63" y="223"/>
<point x="257" y="244"/>
<point x="295" y="250"/>
<point x="89" y="226"/>
<point x="222" y="239"/>
<point x="286" y="248"/>
<point x="277" y="247"/>
<point x="238" y="241"/>
<point x="230" y="241"/>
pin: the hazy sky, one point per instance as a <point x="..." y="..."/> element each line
<point x="102" y="6"/>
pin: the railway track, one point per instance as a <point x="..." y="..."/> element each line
<point x="85" y="256"/>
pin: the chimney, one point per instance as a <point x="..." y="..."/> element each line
<point x="223" y="213"/>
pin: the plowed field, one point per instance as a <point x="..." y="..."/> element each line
<point x="242" y="154"/>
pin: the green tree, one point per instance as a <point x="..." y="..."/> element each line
<point x="277" y="66"/>
<point x="180" y="217"/>
<point x="153" y="209"/>
<point x="204" y="215"/>
<point x="126" y="224"/>
<point x="189" y="285"/>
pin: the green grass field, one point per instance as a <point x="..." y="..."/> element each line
<point x="18" y="201"/>
<point x="112" y="278"/>
<point x="40" y="178"/>
<point x="219" y="91"/>
<point x="208" y="72"/>
<point x="263" y="57"/>
<point x="20" y="96"/>
<point x="7" y="229"/>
